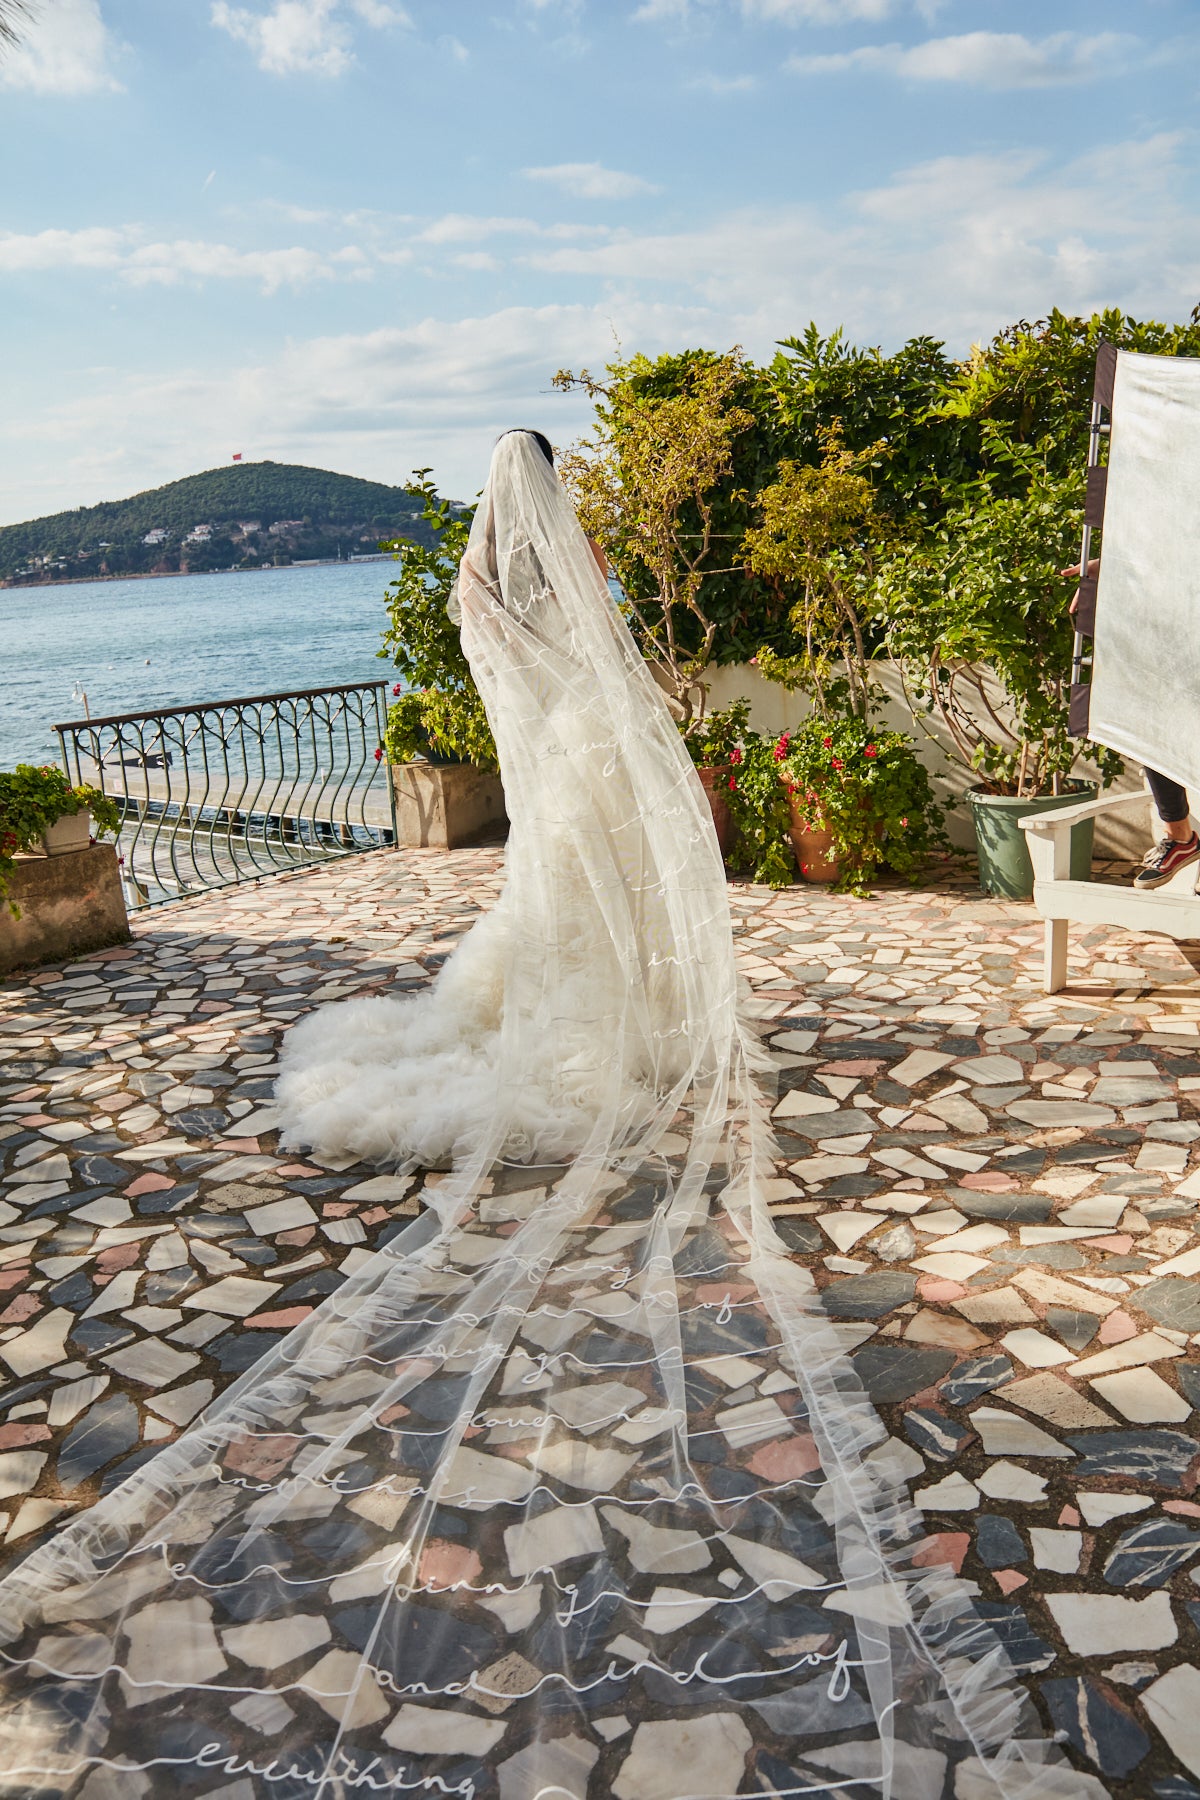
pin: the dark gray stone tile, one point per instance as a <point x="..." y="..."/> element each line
<point x="106" y="1430"/>
<point x="1157" y="1458"/>
<point x="1096" y="1724"/>
<point x="998" y="1543"/>
<point x="1149" y="1552"/>
<point x="868" y="1296"/>
<point x="974" y="1376"/>
<point x="891" y="1372"/>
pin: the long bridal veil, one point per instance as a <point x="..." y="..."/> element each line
<point x="570" y="1491"/>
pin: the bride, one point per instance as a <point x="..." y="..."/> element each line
<point x="570" y="1491"/>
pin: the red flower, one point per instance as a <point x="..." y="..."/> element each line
<point x="828" y="743"/>
<point x="399" y="688"/>
<point x="904" y="824"/>
<point x="870" y="750"/>
<point x="735" y="756"/>
<point x="379" y="755"/>
<point x="732" y="783"/>
<point x="836" y="762"/>
<point x="791" y="786"/>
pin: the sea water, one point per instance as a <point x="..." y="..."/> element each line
<point x="137" y="646"/>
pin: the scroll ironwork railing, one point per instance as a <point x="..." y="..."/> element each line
<point x="231" y="790"/>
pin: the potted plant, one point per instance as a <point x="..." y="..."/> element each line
<point x="41" y="809"/>
<point x="978" y="622"/>
<point x="437" y="740"/>
<point x="859" y="799"/>
<point x="715" y="746"/>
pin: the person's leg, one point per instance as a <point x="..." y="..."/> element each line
<point x="1171" y="805"/>
<point x="1179" y="845"/>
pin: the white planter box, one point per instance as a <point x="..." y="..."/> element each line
<point x="68" y="834"/>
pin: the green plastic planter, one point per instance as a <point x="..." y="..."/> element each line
<point x="1004" y="866"/>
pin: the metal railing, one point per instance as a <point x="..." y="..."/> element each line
<point x="231" y="790"/>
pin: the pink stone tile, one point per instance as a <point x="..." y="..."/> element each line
<point x="11" y="1278"/>
<point x="117" y="1256"/>
<point x="990" y="1181"/>
<point x="1187" y="1508"/>
<point x="249" y="1145"/>
<point x="115" y="1103"/>
<point x="445" y="1565"/>
<point x="1116" y="1328"/>
<point x="715" y="1293"/>
<point x="850" y="1068"/>
<point x="303" y="1234"/>
<point x="32" y="1119"/>
<point x="1068" y="1516"/>
<point x="296" y="1171"/>
<point x="263" y="1457"/>
<point x="1009" y="1580"/>
<point x="22" y="1308"/>
<point x="32" y="1433"/>
<point x="1120" y="1243"/>
<point x="150" y="1183"/>
<point x="938" y="1291"/>
<point x="944" y="1547"/>
<point x="286" y="1317"/>
<point x="785" y="1459"/>
<point x="337" y="1209"/>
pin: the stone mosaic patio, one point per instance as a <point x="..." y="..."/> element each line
<point x="991" y="1187"/>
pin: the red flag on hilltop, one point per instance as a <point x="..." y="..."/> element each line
<point x="237" y="456"/>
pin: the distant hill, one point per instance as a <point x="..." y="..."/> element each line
<point x="254" y="513"/>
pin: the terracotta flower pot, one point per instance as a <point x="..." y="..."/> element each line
<point x="715" y="783"/>
<point x="812" y="848"/>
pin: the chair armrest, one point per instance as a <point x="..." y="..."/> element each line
<point x="1047" y="824"/>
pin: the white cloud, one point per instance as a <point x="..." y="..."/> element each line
<point x="723" y="84"/>
<point x="591" y="181"/>
<point x="304" y="37"/>
<point x="953" y="247"/>
<point x="778" y="12"/>
<point x="167" y="264"/>
<point x="65" y="48"/>
<point x="816" y="12"/>
<point x="984" y="59"/>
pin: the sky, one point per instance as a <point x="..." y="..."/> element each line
<point x="365" y="235"/>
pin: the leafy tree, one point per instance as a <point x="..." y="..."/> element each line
<point x="888" y="405"/>
<point x="980" y="602"/>
<point x="817" y="544"/>
<point x="1031" y="387"/>
<point x="666" y="484"/>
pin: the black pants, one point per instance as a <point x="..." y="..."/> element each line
<point x="1170" y="800"/>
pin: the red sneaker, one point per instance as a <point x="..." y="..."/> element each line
<point x="1166" y="859"/>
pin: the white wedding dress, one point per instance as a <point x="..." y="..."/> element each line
<point x="570" y="1491"/>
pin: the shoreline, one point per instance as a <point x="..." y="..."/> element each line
<point x="323" y="562"/>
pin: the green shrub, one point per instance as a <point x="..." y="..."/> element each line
<point x="32" y="799"/>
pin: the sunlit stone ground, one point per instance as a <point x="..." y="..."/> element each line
<point x="997" y="1191"/>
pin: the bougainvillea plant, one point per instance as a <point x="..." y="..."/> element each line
<point x="868" y="789"/>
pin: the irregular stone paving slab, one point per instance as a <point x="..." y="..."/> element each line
<point x="154" y="1241"/>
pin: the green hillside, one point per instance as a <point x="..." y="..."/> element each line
<point x="316" y="514"/>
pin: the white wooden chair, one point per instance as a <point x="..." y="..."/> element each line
<point x="1173" y="910"/>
